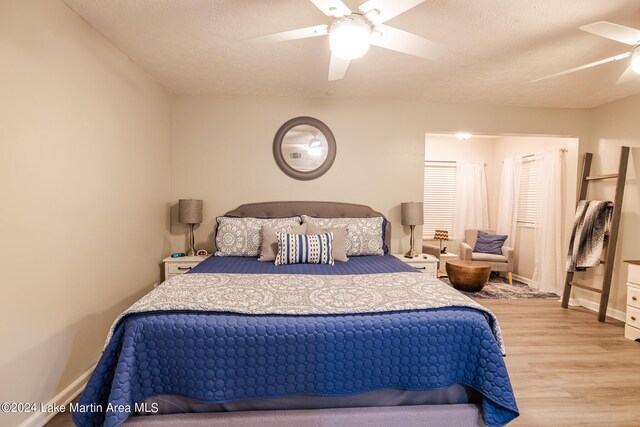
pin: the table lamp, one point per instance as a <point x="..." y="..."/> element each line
<point x="190" y="212"/>
<point x="412" y="215"/>
<point x="441" y="235"/>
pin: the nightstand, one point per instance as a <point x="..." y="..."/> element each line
<point x="180" y="265"/>
<point x="632" y="327"/>
<point x="427" y="264"/>
<point x="447" y="256"/>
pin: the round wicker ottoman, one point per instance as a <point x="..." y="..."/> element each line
<point x="468" y="276"/>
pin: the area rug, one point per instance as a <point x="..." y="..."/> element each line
<point x="498" y="288"/>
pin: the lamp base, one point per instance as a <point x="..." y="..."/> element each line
<point x="411" y="254"/>
<point x="192" y="249"/>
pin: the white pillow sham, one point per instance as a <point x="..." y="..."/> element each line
<point x="243" y="237"/>
<point x="364" y="235"/>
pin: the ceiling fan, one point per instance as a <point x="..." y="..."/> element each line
<point x="616" y="32"/>
<point x="351" y="34"/>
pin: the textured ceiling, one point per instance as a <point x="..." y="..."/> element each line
<point x="494" y="49"/>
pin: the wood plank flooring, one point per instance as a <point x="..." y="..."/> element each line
<point x="567" y="369"/>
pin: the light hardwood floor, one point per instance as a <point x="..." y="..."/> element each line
<point x="567" y="369"/>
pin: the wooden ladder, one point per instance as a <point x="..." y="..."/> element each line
<point x="612" y="240"/>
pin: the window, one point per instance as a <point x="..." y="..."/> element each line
<point x="439" y="197"/>
<point x="528" y="193"/>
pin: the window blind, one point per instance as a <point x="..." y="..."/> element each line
<point x="528" y="193"/>
<point x="439" y="197"/>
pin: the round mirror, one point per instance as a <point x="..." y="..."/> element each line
<point x="304" y="148"/>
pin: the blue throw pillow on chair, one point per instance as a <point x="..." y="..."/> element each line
<point x="488" y="243"/>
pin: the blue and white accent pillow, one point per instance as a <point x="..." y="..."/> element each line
<point x="304" y="249"/>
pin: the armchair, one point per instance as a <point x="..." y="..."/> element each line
<point x="501" y="263"/>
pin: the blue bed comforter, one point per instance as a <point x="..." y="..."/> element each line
<point x="218" y="357"/>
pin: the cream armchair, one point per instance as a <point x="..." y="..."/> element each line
<point x="501" y="263"/>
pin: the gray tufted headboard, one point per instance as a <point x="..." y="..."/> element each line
<point x="318" y="209"/>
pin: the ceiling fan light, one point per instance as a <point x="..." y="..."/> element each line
<point x="635" y="61"/>
<point x="350" y="38"/>
<point x="315" y="152"/>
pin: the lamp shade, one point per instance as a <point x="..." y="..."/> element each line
<point x="190" y="211"/>
<point x="441" y="235"/>
<point x="412" y="213"/>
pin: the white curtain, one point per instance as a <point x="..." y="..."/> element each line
<point x="509" y="200"/>
<point x="547" y="275"/>
<point x="471" y="207"/>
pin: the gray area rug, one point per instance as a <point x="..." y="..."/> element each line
<point x="498" y="288"/>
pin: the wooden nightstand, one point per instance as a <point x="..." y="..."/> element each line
<point x="427" y="264"/>
<point x="447" y="256"/>
<point x="177" y="266"/>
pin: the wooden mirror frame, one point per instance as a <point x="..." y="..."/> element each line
<point x="281" y="161"/>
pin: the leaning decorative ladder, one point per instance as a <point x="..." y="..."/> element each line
<point x="621" y="177"/>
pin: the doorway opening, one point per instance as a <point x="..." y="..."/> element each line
<point x="495" y="182"/>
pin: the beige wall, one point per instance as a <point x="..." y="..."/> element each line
<point x="84" y="173"/>
<point x="221" y="150"/>
<point x="612" y="126"/>
<point x="449" y="148"/>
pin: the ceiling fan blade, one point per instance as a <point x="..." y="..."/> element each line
<point x="337" y="67"/>
<point x="584" y="67"/>
<point x="379" y="11"/>
<point x="300" y="33"/>
<point x="612" y="31"/>
<point x="334" y="8"/>
<point x="401" y="41"/>
<point x="627" y="76"/>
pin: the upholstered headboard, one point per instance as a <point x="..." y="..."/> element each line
<point x="318" y="209"/>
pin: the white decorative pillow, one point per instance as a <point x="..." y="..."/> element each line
<point x="242" y="236"/>
<point x="304" y="248"/>
<point x="364" y="235"/>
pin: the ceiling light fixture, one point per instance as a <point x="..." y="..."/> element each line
<point x="350" y="37"/>
<point x="315" y="152"/>
<point x="463" y="136"/>
<point x="635" y="60"/>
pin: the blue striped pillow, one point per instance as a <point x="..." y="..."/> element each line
<point x="304" y="249"/>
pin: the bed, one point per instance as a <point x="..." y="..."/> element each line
<point x="237" y="342"/>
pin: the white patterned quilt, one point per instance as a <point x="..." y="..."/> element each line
<point x="301" y="294"/>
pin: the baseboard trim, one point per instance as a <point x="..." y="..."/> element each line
<point x="39" y="419"/>
<point x="593" y="306"/>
